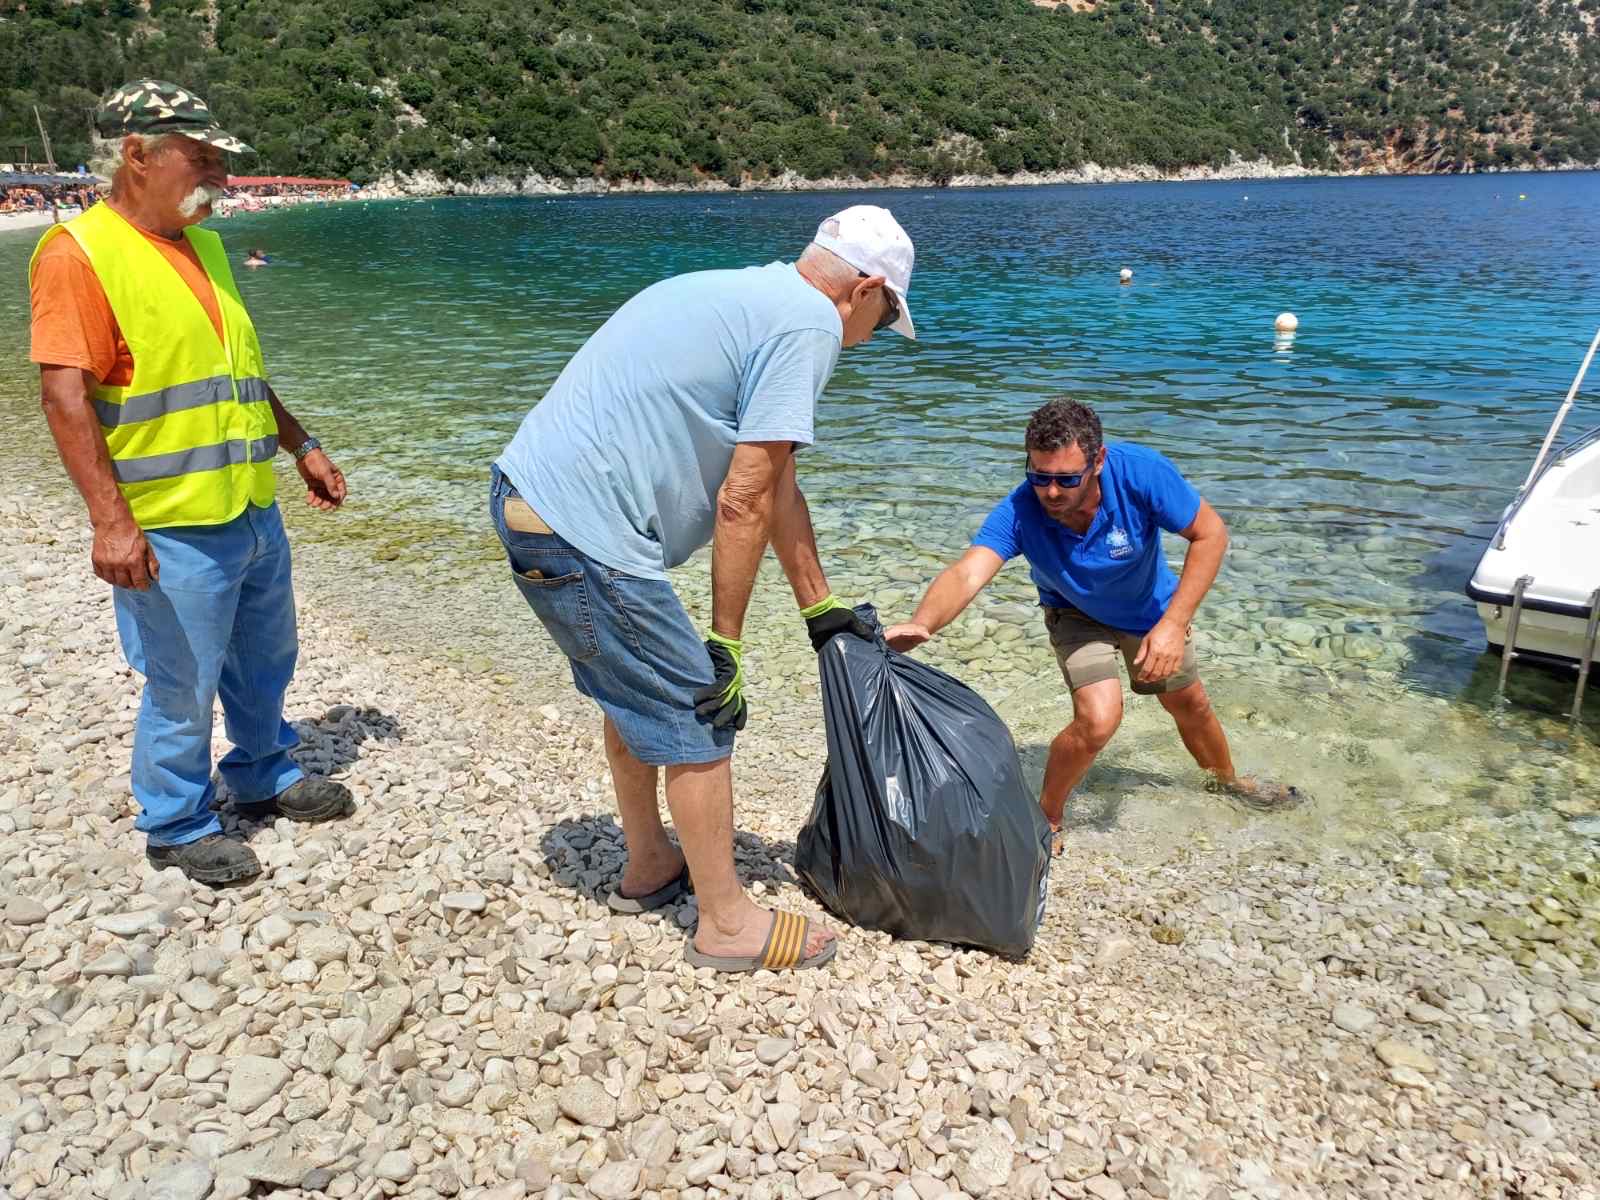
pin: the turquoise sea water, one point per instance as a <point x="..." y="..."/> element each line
<point x="1359" y="464"/>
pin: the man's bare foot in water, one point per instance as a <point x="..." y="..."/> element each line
<point x="1258" y="795"/>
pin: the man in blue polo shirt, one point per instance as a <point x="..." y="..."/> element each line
<point x="1089" y="520"/>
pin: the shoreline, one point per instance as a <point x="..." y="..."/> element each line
<point x="426" y="184"/>
<point x="431" y="996"/>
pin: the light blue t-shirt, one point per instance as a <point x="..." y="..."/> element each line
<point x="1114" y="571"/>
<point x="626" y="452"/>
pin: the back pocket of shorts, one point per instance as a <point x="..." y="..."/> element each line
<point x="561" y="603"/>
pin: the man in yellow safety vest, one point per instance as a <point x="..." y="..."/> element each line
<point x="157" y="397"/>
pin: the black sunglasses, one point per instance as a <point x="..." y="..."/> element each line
<point x="1043" y="479"/>
<point x="891" y="312"/>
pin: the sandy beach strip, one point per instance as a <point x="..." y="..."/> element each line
<point x="430" y="999"/>
<point x="32" y="219"/>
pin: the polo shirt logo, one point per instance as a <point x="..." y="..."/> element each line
<point x="1117" y="543"/>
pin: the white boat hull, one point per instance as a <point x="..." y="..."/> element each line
<point x="1546" y="636"/>
<point x="1553" y="540"/>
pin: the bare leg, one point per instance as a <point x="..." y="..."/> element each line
<point x="700" y="796"/>
<point x="1096" y="713"/>
<point x="653" y="860"/>
<point x="1201" y="731"/>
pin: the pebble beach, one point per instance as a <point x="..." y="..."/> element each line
<point x="430" y="999"/>
<point x="1390" y="991"/>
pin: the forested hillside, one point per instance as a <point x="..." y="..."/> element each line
<point x="677" y="90"/>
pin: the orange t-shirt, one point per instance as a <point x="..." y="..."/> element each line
<point x="73" y="325"/>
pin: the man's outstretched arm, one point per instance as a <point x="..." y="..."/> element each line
<point x="949" y="594"/>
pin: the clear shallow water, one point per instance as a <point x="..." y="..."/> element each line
<point x="1359" y="465"/>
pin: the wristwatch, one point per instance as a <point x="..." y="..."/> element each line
<point x="306" y="447"/>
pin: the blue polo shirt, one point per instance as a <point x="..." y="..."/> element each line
<point x="1115" y="572"/>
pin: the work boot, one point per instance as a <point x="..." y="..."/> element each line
<point x="213" y="859"/>
<point x="306" y="799"/>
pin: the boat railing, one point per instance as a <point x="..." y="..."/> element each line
<point x="1540" y="464"/>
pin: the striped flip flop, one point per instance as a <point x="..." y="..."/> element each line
<point x="786" y="942"/>
<point x="664" y="895"/>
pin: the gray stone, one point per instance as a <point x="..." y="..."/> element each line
<point x="653" y="1140"/>
<point x="616" y="1181"/>
<point x="474" y="902"/>
<point x="272" y="1162"/>
<point x="1111" y="951"/>
<point x="321" y="1053"/>
<point x="253" y="1081"/>
<point x="1078" y="1163"/>
<point x="986" y="1165"/>
<point x="1105" y="1188"/>
<point x="709" y="1162"/>
<point x="187" y="1180"/>
<point x="1536" y="1125"/>
<point x="1398" y="1054"/>
<point x="459" y="1089"/>
<point x="274" y="930"/>
<point x="385" y="1014"/>
<point x="785" y="1121"/>
<point x="396" y="1166"/>
<point x="586" y="1102"/>
<point x="200" y="995"/>
<point x="1409" y="1077"/>
<point x="21" y="910"/>
<point x="129" y="924"/>
<point x="113" y="963"/>
<point x="773" y="1050"/>
<point x="1352" y="1018"/>
<point x="1298" y="633"/>
<point x="321" y="944"/>
<point x="994" y="1056"/>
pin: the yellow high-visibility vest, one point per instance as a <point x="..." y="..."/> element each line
<point x="192" y="435"/>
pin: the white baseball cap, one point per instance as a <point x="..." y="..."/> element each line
<point x="871" y="240"/>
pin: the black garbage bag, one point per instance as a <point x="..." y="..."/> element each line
<point x="922" y="825"/>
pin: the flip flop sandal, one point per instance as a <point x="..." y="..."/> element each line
<point x="660" y="898"/>
<point x="786" y="942"/>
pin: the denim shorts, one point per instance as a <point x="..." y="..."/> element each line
<point x="631" y="645"/>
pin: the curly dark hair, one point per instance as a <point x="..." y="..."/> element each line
<point x="1059" y="422"/>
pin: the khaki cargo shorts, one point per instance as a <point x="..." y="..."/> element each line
<point x="1087" y="652"/>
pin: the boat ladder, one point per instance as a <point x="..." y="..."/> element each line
<point x="1509" y="652"/>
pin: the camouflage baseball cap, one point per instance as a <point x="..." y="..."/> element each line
<point x="155" y="106"/>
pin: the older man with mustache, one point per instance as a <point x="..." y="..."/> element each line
<point x="156" y="394"/>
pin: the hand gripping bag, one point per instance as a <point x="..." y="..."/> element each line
<point x="922" y="825"/>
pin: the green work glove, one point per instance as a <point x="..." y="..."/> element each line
<point x="828" y="618"/>
<point x="721" y="702"/>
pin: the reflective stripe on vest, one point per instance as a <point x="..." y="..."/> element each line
<point x="192" y="434"/>
<point x="215" y="390"/>
<point x="200" y="458"/>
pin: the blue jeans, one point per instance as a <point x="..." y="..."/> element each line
<point x="629" y="642"/>
<point x="219" y="621"/>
